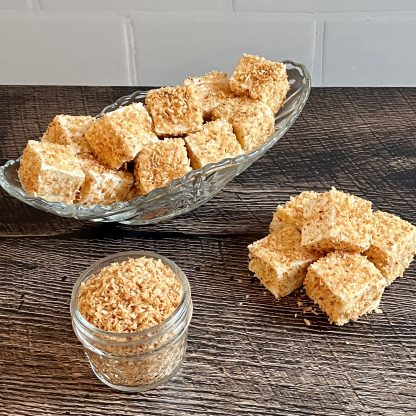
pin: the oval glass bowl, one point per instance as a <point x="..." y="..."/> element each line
<point x="181" y="195"/>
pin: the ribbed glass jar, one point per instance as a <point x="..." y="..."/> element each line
<point x="135" y="361"/>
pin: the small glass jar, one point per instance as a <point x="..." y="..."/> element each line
<point x="135" y="361"/>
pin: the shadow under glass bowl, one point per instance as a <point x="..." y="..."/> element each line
<point x="181" y="195"/>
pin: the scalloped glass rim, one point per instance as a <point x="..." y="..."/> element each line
<point x="298" y="76"/>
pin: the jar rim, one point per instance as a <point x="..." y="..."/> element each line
<point x="150" y="332"/>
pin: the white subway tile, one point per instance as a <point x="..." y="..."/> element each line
<point x="14" y="4"/>
<point x="170" y="47"/>
<point x="322" y="6"/>
<point x="63" y="49"/>
<point x="143" y="5"/>
<point x="369" y="52"/>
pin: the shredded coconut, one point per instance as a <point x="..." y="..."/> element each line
<point x="130" y="296"/>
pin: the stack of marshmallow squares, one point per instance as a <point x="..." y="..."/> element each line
<point x="137" y="148"/>
<point x="333" y="244"/>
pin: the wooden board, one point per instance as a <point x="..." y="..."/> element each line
<point x="248" y="354"/>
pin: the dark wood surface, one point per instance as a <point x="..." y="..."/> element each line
<point x="248" y="354"/>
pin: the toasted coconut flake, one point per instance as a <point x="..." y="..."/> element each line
<point x="130" y="296"/>
<point x="335" y="220"/>
<point x="261" y="79"/>
<point x="175" y="110"/>
<point x="346" y="286"/>
<point x="51" y="171"/>
<point x="69" y="130"/>
<point x="211" y="90"/>
<point x="279" y="261"/>
<point x="213" y="143"/>
<point x="160" y="163"/>
<point x="118" y="136"/>
<point x="393" y="245"/>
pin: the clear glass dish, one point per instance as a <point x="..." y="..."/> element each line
<point x="181" y="195"/>
<point x="141" y="360"/>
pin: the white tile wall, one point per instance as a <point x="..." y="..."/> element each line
<point x="323" y="6"/>
<point x="64" y="49"/>
<point x="131" y="42"/>
<point x="370" y="52"/>
<point x="194" y="43"/>
<point x="145" y="5"/>
<point x="14" y="4"/>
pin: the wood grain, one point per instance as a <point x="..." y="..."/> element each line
<point x="248" y="354"/>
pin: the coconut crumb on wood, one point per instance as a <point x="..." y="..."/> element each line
<point x="130" y="296"/>
<point x="345" y="284"/>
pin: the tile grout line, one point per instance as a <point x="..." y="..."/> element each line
<point x="317" y="70"/>
<point x="133" y="73"/>
<point x="232" y="8"/>
<point x="35" y="6"/>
